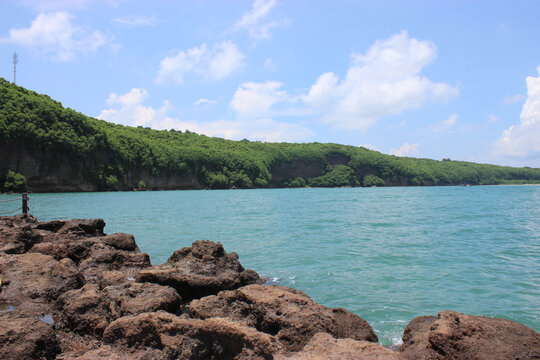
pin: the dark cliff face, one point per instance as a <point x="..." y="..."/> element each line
<point x="295" y="168"/>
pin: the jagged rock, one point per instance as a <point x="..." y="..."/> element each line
<point x="34" y="276"/>
<point x="16" y="235"/>
<point x="287" y="313"/>
<point x="113" y="277"/>
<point x="89" y="310"/>
<point x="201" y="270"/>
<point x="459" y="336"/>
<point x="26" y="338"/>
<point x="107" y="352"/>
<point x="185" y="338"/>
<point x="323" y="346"/>
<point x="85" y="310"/>
<point x="102" y="257"/>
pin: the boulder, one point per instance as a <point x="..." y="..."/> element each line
<point x="34" y="276"/>
<point x="323" y="346"/>
<point x="185" y="338"/>
<point x="89" y="310"/>
<point x="16" y="235"/>
<point x="201" y="270"/>
<point x="286" y="313"/>
<point x="459" y="336"/>
<point x="26" y="338"/>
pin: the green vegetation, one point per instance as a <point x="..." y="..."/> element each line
<point x="113" y="157"/>
<point x="15" y="182"/>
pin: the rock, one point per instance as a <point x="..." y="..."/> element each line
<point x="286" y="313"/>
<point x="101" y="257"/>
<point x="137" y="298"/>
<point x="113" y="277"/>
<point x="323" y="346"/>
<point x="459" y="336"/>
<point x="120" y="241"/>
<point x="16" y="235"/>
<point x="201" y="270"/>
<point x="89" y="310"/>
<point x="107" y="352"/>
<point x="34" y="276"/>
<point x="85" y="310"/>
<point x="26" y="338"/>
<point x="185" y="338"/>
<point x="56" y="250"/>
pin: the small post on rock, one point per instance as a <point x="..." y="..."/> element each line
<point x="25" y="203"/>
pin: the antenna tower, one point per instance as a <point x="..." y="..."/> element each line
<point x="15" y="62"/>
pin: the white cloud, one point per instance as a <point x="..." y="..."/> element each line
<point x="205" y="101"/>
<point x="54" y="35"/>
<point x="254" y="100"/>
<point x="215" y="63"/>
<point x="406" y="150"/>
<point x="385" y="80"/>
<point x="133" y="21"/>
<point x="511" y="99"/>
<point x="444" y="125"/>
<point x="370" y="147"/>
<point x="128" y="109"/>
<point x="254" y="20"/>
<point x="523" y="141"/>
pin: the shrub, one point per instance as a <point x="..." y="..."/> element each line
<point x="15" y="182"/>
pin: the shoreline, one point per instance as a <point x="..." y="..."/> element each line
<point x="90" y="295"/>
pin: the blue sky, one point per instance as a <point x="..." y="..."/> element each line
<point x="431" y="79"/>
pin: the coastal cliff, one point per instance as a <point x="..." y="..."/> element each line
<point x="53" y="149"/>
<point x="70" y="291"/>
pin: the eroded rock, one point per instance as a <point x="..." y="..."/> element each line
<point x="459" y="336"/>
<point x="287" y="313"/>
<point x="323" y="346"/>
<point x="185" y="338"/>
<point x="201" y="270"/>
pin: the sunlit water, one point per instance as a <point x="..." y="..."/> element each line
<point x="386" y="254"/>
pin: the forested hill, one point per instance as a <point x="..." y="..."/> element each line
<point x="47" y="147"/>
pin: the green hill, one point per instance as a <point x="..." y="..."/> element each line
<point x="59" y="149"/>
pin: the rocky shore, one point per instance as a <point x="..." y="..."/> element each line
<point x="69" y="291"/>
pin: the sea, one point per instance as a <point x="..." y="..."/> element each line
<point x="386" y="254"/>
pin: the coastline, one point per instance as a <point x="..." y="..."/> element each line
<point x="200" y="290"/>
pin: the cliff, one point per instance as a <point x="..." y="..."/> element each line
<point x="58" y="149"/>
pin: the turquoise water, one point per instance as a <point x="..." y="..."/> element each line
<point x="387" y="254"/>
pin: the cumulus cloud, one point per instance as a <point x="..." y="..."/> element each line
<point x="406" y="150"/>
<point x="54" y="35"/>
<point x="129" y="109"/>
<point x="254" y="20"/>
<point x="255" y="99"/>
<point x="385" y="80"/>
<point x="213" y="63"/>
<point x="523" y="141"/>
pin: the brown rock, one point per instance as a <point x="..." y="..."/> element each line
<point x="113" y="277"/>
<point x="323" y="346"/>
<point x="185" y="338"/>
<point x="287" y="313"/>
<point x="32" y="276"/>
<point x="89" y="310"/>
<point x="459" y="336"/>
<point x="26" y="338"/>
<point x="16" y="235"/>
<point x="201" y="270"/>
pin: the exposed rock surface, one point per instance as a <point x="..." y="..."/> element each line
<point x="323" y="346"/>
<point x="286" y="313"/>
<point x="459" y="336"/>
<point x="185" y="338"/>
<point x="69" y="291"/>
<point x="200" y="270"/>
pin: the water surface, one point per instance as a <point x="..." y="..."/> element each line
<point x="387" y="254"/>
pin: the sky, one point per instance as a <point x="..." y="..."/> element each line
<point x="429" y="79"/>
